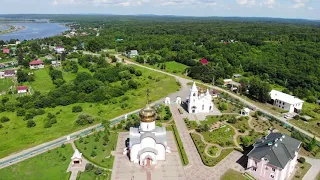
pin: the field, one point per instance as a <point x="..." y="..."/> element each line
<point x="5" y="84"/>
<point x="232" y="174"/>
<point x="43" y="82"/>
<point x="15" y="136"/>
<point x="175" y="67"/>
<point x="208" y="161"/>
<point x="301" y="171"/>
<point x="90" y="175"/>
<point x="222" y="136"/>
<point x="89" y="144"/>
<point x="68" y="76"/>
<point x="312" y="110"/>
<point x="50" y="165"/>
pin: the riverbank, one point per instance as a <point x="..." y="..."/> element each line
<point x="13" y="28"/>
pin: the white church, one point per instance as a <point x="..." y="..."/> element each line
<point x="200" y="100"/>
<point x="148" y="143"/>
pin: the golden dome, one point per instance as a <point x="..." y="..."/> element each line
<point x="147" y="114"/>
<point x="202" y="90"/>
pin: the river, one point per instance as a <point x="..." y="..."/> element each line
<point x="34" y="31"/>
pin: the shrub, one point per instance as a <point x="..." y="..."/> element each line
<point x="76" y="109"/>
<point x="21" y="112"/>
<point x="93" y="153"/>
<point x="98" y="171"/>
<point x="63" y="158"/>
<point x="84" y="119"/>
<point x="1" y="126"/>
<point x="4" y="119"/>
<point x="89" y="167"/>
<point x="63" y="145"/>
<point x="31" y="124"/>
<point x="302" y="160"/>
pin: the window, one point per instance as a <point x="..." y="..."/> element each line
<point x="203" y="107"/>
<point x="273" y="169"/>
<point x="254" y="168"/>
<point x="194" y="94"/>
<point x="283" y="103"/>
<point x="272" y="176"/>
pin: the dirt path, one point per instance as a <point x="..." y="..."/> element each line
<point x="252" y="127"/>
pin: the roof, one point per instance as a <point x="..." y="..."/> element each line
<point x="277" y="148"/>
<point x="274" y="94"/>
<point x="11" y="71"/>
<point x="76" y="154"/>
<point x="134" y="52"/>
<point x="158" y="134"/>
<point x="21" y="88"/>
<point x="246" y="110"/>
<point x="194" y="87"/>
<point x="36" y="62"/>
<point x="6" y="50"/>
<point x="204" y="61"/>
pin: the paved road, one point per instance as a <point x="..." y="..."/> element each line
<point x="196" y="169"/>
<point x="184" y="80"/>
<point x="314" y="170"/>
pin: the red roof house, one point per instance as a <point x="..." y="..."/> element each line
<point x="36" y="64"/>
<point x="204" y="61"/>
<point x="22" y="89"/>
<point x="5" y="51"/>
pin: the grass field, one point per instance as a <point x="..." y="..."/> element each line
<point x="208" y="161"/>
<point x="5" y="84"/>
<point x="182" y="152"/>
<point x="312" y="110"/>
<point x="90" y="175"/>
<point x="232" y="174"/>
<point x="49" y="166"/>
<point x="43" y="82"/>
<point x="15" y="136"/>
<point x="68" y="76"/>
<point x="175" y="67"/>
<point x="301" y="171"/>
<point x="222" y="136"/>
<point x="90" y="144"/>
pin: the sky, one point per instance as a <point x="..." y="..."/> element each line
<point x="301" y="9"/>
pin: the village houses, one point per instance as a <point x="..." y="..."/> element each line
<point x="36" y="64"/>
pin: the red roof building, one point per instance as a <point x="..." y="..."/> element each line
<point x="204" y="61"/>
<point x="5" y="51"/>
<point x="22" y="88"/>
<point x="36" y="62"/>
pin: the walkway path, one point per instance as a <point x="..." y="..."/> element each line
<point x="196" y="169"/>
<point x="314" y="170"/>
<point x="74" y="169"/>
<point x="252" y="127"/>
<point x="250" y="104"/>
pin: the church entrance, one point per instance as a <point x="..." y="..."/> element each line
<point x="148" y="162"/>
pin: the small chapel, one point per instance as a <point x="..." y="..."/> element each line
<point x="200" y="100"/>
<point x="148" y="142"/>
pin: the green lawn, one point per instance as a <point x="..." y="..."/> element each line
<point x="191" y="124"/>
<point x="212" y="150"/>
<point x="208" y="161"/>
<point x="90" y="143"/>
<point x="213" y="119"/>
<point x="312" y="110"/>
<point x="43" y="82"/>
<point x="232" y="175"/>
<point x="48" y="165"/>
<point x="222" y="136"/>
<point x="301" y="171"/>
<point x="90" y="175"/>
<point x="182" y="152"/>
<point x="175" y="67"/>
<point x="15" y="136"/>
<point x="5" y="84"/>
<point x="68" y="76"/>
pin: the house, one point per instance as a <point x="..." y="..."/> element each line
<point x="36" y="64"/>
<point x="59" y="49"/>
<point x="234" y="85"/>
<point x="133" y="53"/>
<point x="76" y="158"/>
<point x="2" y="74"/>
<point x="2" y="66"/>
<point x="286" y="101"/>
<point x="22" y="89"/>
<point x="214" y="93"/>
<point x="204" y="61"/>
<point x="227" y="81"/>
<point x="5" y="51"/>
<point x="245" y="112"/>
<point x="50" y="57"/>
<point x="9" y="73"/>
<point x="273" y="157"/>
<point x="55" y="63"/>
<point x="237" y="76"/>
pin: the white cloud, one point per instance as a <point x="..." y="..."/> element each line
<point x="246" y="2"/>
<point x="268" y="3"/>
<point x="134" y="2"/>
<point x="299" y="3"/>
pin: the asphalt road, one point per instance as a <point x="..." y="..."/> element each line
<point x="282" y="119"/>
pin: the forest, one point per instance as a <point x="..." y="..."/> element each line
<point x="276" y="52"/>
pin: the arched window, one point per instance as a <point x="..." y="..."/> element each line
<point x="202" y="106"/>
<point x="194" y="94"/>
<point x="210" y="108"/>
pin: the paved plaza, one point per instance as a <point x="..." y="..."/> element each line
<point x="170" y="169"/>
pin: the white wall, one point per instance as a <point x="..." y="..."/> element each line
<point x="148" y="126"/>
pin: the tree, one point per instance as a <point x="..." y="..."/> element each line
<point x="76" y="109"/>
<point x="93" y="154"/>
<point x="4" y="119"/>
<point x="31" y="124"/>
<point x="132" y="84"/>
<point x="246" y="140"/>
<point x="311" y="144"/>
<point x="223" y="106"/>
<point x="21" y="76"/>
<point x="94" y="46"/>
<point x="89" y="167"/>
